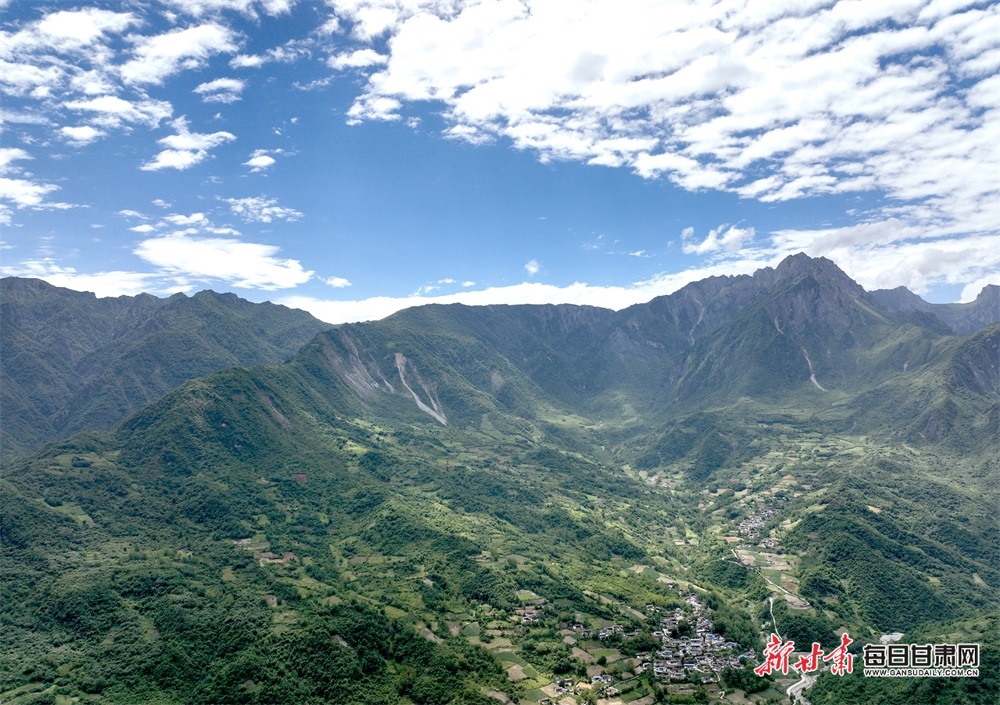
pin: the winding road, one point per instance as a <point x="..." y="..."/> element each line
<point x="796" y="689"/>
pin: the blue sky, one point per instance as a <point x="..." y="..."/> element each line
<point x="354" y="157"/>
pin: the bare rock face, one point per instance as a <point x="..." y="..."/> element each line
<point x="961" y="319"/>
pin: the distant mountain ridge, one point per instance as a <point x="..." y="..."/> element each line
<point x="802" y="325"/>
<point x="72" y="361"/>
<point x="960" y="318"/>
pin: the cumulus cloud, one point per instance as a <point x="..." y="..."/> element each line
<point x="25" y="192"/>
<point x="81" y="135"/>
<point x="199" y="8"/>
<point x="532" y="267"/>
<point x="240" y="264"/>
<point x="971" y="290"/>
<point x="289" y="52"/>
<point x="67" y="31"/>
<point x="889" y="253"/>
<point x="261" y="159"/>
<point x="185" y="148"/>
<point x="580" y="293"/>
<point x="111" y="283"/>
<point x="113" y="111"/>
<point x="191" y="251"/>
<point x="726" y="237"/>
<point x="261" y="209"/>
<point x="767" y="100"/>
<point x="337" y="282"/>
<point x="221" y="90"/>
<point x="193" y="219"/>
<point x="10" y="155"/>
<point x="162" y="55"/>
<point x="357" y="59"/>
<point x="928" y="258"/>
<point x="18" y="189"/>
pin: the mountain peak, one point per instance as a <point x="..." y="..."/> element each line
<point x="820" y="268"/>
<point x="990" y="292"/>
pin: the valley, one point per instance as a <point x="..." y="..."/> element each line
<point x="526" y="505"/>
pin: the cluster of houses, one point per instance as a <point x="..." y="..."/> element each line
<point x="753" y="526"/>
<point x="600" y="685"/>
<point x="700" y="652"/>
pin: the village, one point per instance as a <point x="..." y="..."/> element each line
<point x="703" y="652"/>
<point x="690" y="652"/>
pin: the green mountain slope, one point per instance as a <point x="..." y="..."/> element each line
<point x="459" y="504"/>
<point x="72" y="361"/>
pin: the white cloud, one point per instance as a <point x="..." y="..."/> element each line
<point x="9" y="155"/>
<point x="532" y="267"/>
<point x="247" y="61"/>
<point x="331" y="26"/>
<point x="21" y="79"/>
<point x="919" y="265"/>
<point x="78" y="29"/>
<point x="357" y="59"/>
<point x="24" y="192"/>
<point x="67" y="31"/>
<point x="580" y="293"/>
<point x="240" y="264"/>
<point x="144" y="228"/>
<point x="971" y="290"/>
<point x="81" y="135"/>
<point x="221" y="90"/>
<point x="21" y="190"/>
<point x="163" y="55"/>
<point x="259" y="162"/>
<point x="289" y="52"/>
<point x="112" y="111"/>
<point x="337" y="282"/>
<point x="261" y="209"/>
<point x="726" y="237"/>
<point x="186" y="148"/>
<point x="890" y="253"/>
<point x="114" y="283"/>
<point x="174" y="159"/>
<point x="261" y="159"/>
<point x="199" y="8"/>
<point x="193" y="219"/>
<point x="771" y="101"/>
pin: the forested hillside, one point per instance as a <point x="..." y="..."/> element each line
<point x="74" y="362"/>
<point x="482" y="505"/>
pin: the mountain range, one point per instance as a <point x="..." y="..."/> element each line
<point x="72" y="361"/>
<point x="435" y="506"/>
